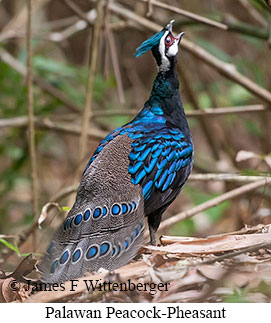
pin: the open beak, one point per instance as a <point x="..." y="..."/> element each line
<point x="179" y="37"/>
<point x="169" y="28"/>
<point x="169" y="25"/>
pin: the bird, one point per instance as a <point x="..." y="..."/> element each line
<point x="137" y="171"/>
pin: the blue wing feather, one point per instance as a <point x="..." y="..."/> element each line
<point x="161" y="157"/>
<point x="162" y="166"/>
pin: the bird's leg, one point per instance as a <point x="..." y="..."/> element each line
<point x="154" y="220"/>
<point x="152" y="236"/>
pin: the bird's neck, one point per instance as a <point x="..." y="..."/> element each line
<point x="166" y="83"/>
<point x="165" y="102"/>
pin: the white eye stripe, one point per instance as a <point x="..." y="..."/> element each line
<point x="162" y="48"/>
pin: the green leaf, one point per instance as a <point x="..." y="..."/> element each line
<point x="45" y="64"/>
<point x="10" y="245"/>
<point x="65" y="208"/>
<point x="25" y="254"/>
<point x="237" y="297"/>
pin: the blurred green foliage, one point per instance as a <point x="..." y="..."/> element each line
<point x="238" y="296"/>
<point x="187" y="227"/>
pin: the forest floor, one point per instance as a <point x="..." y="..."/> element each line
<point x="230" y="267"/>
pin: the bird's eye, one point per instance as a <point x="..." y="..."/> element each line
<point x="169" y="40"/>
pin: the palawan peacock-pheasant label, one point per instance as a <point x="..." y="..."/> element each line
<point x="99" y="285"/>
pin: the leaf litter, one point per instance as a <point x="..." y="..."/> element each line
<point x="230" y="267"/>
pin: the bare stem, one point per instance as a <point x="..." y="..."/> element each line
<point x="115" y="62"/>
<point x="31" y="125"/>
<point x="90" y="84"/>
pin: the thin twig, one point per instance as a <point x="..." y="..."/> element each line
<point x="262" y="245"/>
<point x="22" y="121"/>
<point x="67" y="33"/>
<point x="253" y="12"/>
<point x="150" y="8"/>
<point x="226" y="69"/>
<point x="31" y="125"/>
<point x="77" y="10"/>
<point x="235" y="178"/>
<point x="18" y="22"/>
<point x="93" y="134"/>
<point x="90" y="84"/>
<point x="115" y="62"/>
<point x="46" y="123"/>
<point x="188" y="14"/>
<point x="213" y="112"/>
<point x="213" y="202"/>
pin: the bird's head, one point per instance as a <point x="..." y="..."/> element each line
<point x="164" y="46"/>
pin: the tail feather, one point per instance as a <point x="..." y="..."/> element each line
<point x="88" y="240"/>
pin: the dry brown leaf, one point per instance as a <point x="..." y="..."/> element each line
<point x="212" y="272"/>
<point x="156" y="260"/>
<point x="169" y="274"/>
<point x="12" y="290"/>
<point x="26" y="266"/>
<point x="13" y="287"/>
<point x="246" y="259"/>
